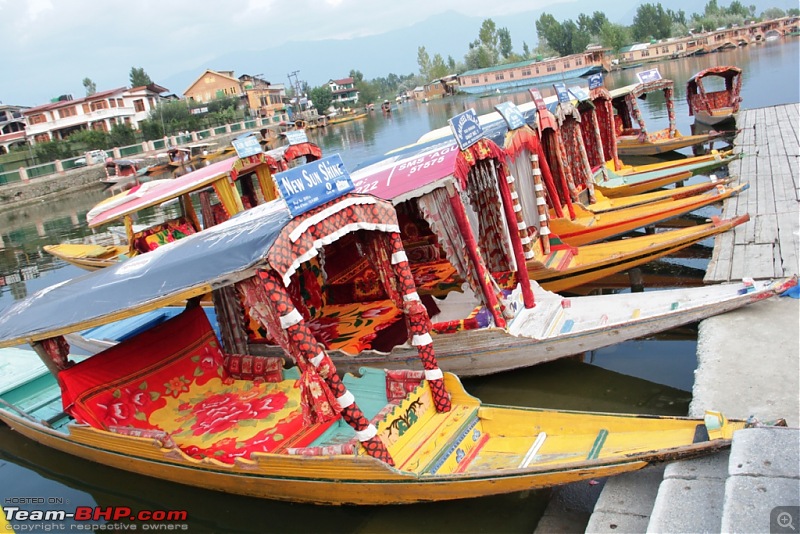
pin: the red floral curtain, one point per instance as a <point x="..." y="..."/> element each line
<point x="604" y="113"/>
<point x="485" y="201"/>
<point x="574" y="152"/>
<point x="437" y="210"/>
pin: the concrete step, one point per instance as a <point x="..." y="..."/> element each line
<point x="691" y="495"/>
<point x="625" y="504"/>
<point x="763" y="481"/>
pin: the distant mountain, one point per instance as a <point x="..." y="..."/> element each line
<point x="448" y="34"/>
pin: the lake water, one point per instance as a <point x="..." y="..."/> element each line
<point x="649" y="376"/>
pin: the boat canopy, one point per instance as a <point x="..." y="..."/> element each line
<point x="169" y="189"/>
<point x="264" y="237"/>
<point x="726" y="71"/>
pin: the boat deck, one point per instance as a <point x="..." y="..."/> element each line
<point x="768" y="245"/>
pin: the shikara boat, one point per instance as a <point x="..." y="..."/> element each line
<point x="346" y="117"/>
<point x="223" y="189"/>
<point x="153" y="403"/>
<point x="578" y="223"/>
<point x="287" y="156"/>
<point x="640" y="141"/>
<point x="88" y="256"/>
<point x="614" y="185"/>
<point x="712" y="105"/>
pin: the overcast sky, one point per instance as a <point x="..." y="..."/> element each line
<point x="50" y="46"/>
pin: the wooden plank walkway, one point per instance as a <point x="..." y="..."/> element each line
<point x="767" y="246"/>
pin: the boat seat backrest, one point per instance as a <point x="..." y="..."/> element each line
<point x="116" y="386"/>
<point x="161" y="234"/>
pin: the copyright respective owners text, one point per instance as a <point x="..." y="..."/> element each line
<point x="42" y="514"/>
<point x="783" y="519"/>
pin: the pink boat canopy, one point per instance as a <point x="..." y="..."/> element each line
<point x="150" y="194"/>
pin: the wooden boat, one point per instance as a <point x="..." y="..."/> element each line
<point x="614" y="185"/>
<point x="712" y="155"/>
<point x="286" y="156"/>
<point x="308" y="436"/>
<point x="715" y="106"/>
<point x="216" y="186"/>
<point x="577" y="223"/>
<point x="88" y="256"/>
<point x="589" y="226"/>
<point x="640" y="141"/>
<point x="386" y="107"/>
<point x="346" y="117"/>
<point x="178" y="156"/>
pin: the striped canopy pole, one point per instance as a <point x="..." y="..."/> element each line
<point x="526" y="233"/>
<point x="541" y="204"/>
<point x="419" y="324"/>
<point x="309" y="351"/>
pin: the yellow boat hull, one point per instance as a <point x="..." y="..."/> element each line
<point x="519" y="449"/>
<point x="589" y="227"/>
<point x="632" y="146"/>
<point x="561" y="270"/>
<point x="89" y="257"/>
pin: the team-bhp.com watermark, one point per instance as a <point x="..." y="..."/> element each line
<point x="95" y="518"/>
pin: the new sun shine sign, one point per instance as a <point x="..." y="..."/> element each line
<point x="313" y="184"/>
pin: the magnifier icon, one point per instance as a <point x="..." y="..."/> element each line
<point x="785" y="520"/>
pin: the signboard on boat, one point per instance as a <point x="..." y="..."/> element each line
<point x="246" y="146"/>
<point x="561" y="91"/>
<point x="595" y="81"/>
<point x="511" y="114"/>
<point x="466" y="129"/>
<point x="648" y="76"/>
<point x="295" y="137"/>
<point x="313" y="184"/>
<point x="579" y="93"/>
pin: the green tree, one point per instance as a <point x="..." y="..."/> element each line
<point x="139" y="77"/>
<point x="552" y="34"/>
<point x="504" y="42"/>
<point x="90" y="86"/>
<point x="651" y="22"/>
<point x="53" y="150"/>
<point x="321" y="97"/>
<point x="121" y="135"/>
<point x="614" y="36"/>
<point x="424" y="62"/>
<point x="88" y="139"/>
<point x="438" y="67"/>
<point x="480" y="57"/>
<point x="773" y="13"/>
<point x="525" y="50"/>
<point x="488" y="34"/>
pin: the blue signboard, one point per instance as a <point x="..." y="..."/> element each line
<point x="579" y="93"/>
<point x="466" y="129"/>
<point x="511" y="114"/>
<point x="246" y="146"/>
<point x="648" y="76"/>
<point x="295" y="137"/>
<point x="561" y="91"/>
<point x="313" y="184"/>
<point x="596" y="80"/>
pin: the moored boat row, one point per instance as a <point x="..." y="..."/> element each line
<point x="430" y="269"/>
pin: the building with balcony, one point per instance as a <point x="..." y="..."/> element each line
<point x="12" y="127"/>
<point x="344" y="91"/>
<point x="100" y="111"/>
<point x="705" y="42"/>
<point x="213" y="85"/>
<point x="264" y="99"/>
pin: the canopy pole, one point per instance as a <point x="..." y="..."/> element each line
<point x="419" y="324"/>
<point x="472" y="250"/>
<point x="314" y="360"/>
<point x="541" y="204"/>
<point x="513" y="219"/>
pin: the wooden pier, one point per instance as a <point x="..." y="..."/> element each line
<point x="768" y="246"/>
